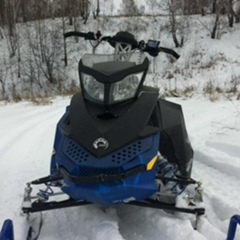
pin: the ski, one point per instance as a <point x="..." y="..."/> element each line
<point x="35" y="222"/>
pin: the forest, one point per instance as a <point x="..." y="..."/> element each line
<point x="32" y="62"/>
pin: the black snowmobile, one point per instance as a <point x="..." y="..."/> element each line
<point x="118" y="142"/>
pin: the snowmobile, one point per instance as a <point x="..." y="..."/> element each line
<point x="118" y="142"/>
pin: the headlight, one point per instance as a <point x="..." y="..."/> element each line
<point x="94" y="90"/>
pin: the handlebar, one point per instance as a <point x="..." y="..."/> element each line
<point x="153" y="51"/>
<point x="86" y="36"/>
<point x="169" y="51"/>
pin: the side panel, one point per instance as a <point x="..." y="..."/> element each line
<point x="58" y="141"/>
<point x="175" y="145"/>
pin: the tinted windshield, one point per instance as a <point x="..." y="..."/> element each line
<point x="109" y="64"/>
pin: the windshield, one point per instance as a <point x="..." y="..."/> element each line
<point x="112" y="63"/>
<point x="108" y="90"/>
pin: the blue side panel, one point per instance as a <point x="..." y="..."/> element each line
<point x="79" y="162"/>
<point x="59" y="136"/>
<point x="7" y="230"/>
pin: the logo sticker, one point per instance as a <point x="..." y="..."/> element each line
<point x="100" y="143"/>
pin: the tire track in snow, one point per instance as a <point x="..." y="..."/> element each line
<point x="138" y="223"/>
<point x="228" y="149"/>
<point x="85" y="223"/>
<point x="216" y="165"/>
<point x="221" y="190"/>
<point x="224" y="167"/>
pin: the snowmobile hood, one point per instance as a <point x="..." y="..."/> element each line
<point x="106" y="136"/>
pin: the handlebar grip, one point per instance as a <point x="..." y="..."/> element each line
<point x="74" y="34"/>
<point x="86" y="36"/>
<point x="169" y="51"/>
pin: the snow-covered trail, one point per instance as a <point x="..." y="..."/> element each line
<point x="214" y="130"/>
<point x="27" y="134"/>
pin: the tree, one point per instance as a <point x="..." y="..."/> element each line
<point x="228" y="7"/>
<point x="215" y="26"/>
<point x="129" y="8"/>
<point x="174" y="7"/>
<point x="230" y="11"/>
<point x="97" y="11"/>
<point x="214" y="6"/>
<point x="8" y="21"/>
<point x="190" y="7"/>
<point x="236" y="10"/>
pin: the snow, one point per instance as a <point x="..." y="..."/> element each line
<point x="27" y="134"/>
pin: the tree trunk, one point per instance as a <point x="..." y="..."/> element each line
<point x="98" y="8"/>
<point x="2" y="12"/>
<point x="214" y="31"/>
<point x="230" y="13"/>
<point x="214" y="6"/>
<point x="173" y="27"/>
<point x="175" y="40"/>
<point x="237" y="18"/>
<point x="23" y="8"/>
<point x="230" y="20"/>
<point x="70" y="21"/>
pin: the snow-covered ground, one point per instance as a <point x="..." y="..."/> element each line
<point x="27" y="134"/>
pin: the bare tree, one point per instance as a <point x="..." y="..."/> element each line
<point x="76" y="8"/>
<point x="173" y="7"/>
<point x="190" y="7"/>
<point x="97" y="11"/>
<point x="231" y="8"/>
<point x="3" y="82"/>
<point x="24" y="11"/>
<point x="230" y="12"/>
<point x="215" y="27"/>
<point x="1" y="34"/>
<point x="129" y="8"/>
<point x="84" y="9"/>
<point x="236" y="10"/>
<point x="9" y="25"/>
<point x="177" y="22"/>
<point x="214" y="6"/>
<point x="218" y="21"/>
<point x="42" y="65"/>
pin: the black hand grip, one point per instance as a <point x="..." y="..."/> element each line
<point x="91" y="36"/>
<point x="74" y="34"/>
<point x="86" y="36"/>
<point x="169" y="51"/>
